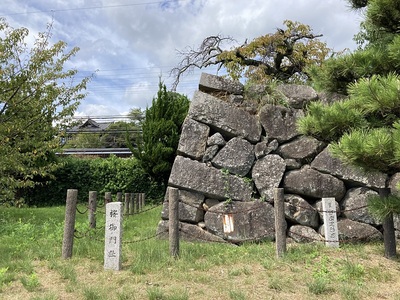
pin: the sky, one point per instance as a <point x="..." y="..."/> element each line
<point x="130" y="45"/>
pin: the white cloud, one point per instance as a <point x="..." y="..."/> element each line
<point x="131" y="44"/>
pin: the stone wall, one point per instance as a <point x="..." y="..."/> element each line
<point x="232" y="155"/>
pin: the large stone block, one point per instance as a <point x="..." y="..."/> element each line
<point x="193" y="140"/>
<point x="237" y="157"/>
<point x="188" y="232"/>
<point x="312" y="183"/>
<point x="303" y="149"/>
<point x="298" y="96"/>
<point x="267" y="173"/>
<point x="213" y="83"/>
<point x="326" y="163"/>
<point x="355" y="232"/>
<point x="280" y="122"/>
<point x="190" y="206"/>
<point x="221" y="116"/>
<point x="300" y="211"/>
<point x="248" y="221"/>
<point x="192" y="175"/>
<point x="304" y="234"/>
<point x="355" y="205"/>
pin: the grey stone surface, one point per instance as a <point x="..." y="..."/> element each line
<point x="237" y="157"/>
<point x="252" y="221"/>
<point x="264" y="148"/>
<point x="394" y="184"/>
<point x="192" y="175"/>
<point x="267" y="174"/>
<point x="193" y="140"/>
<point x="213" y="83"/>
<point x="210" y="153"/>
<point x="292" y="164"/>
<point x="329" y="98"/>
<point x="326" y="163"/>
<point x="188" y="232"/>
<point x="228" y="120"/>
<point x="298" y="96"/>
<point x="303" y="149"/>
<point x="300" y="211"/>
<point x="216" y="139"/>
<point x="312" y="183"/>
<point x="190" y="206"/>
<point x="304" y="234"/>
<point x="354" y="205"/>
<point x="354" y="232"/>
<point x="279" y="122"/>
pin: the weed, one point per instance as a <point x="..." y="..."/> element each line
<point x="155" y="293"/>
<point x="92" y="293"/>
<point x="237" y="295"/>
<point x="30" y="282"/>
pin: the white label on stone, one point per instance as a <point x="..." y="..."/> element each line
<point x="228" y="223"/>
<point x="330" y="222"/>
<point x="113" y="236"/>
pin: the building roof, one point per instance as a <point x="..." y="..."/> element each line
<point x="89" y="126"/>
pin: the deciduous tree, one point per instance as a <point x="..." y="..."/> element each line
<point x="283" y="55"/>
<point x="37" y="94"/>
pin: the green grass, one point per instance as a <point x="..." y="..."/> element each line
<point x="31" y="265"/>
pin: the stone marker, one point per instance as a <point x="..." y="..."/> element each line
<point x="113" y="236"/>
<point x="330" y="222"/>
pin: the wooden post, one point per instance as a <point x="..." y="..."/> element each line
<point x="92" y="208"/>
<point x="280" y="228"/>
<point x="140" y="201"/>
<point x="69" y="224"/>
<point x="330" y="222"/>
<point x="137" y="203"/>
<point x="119" y="197"/>
<point x="173" y="198"/>
<point x="143" y="200"/>
<point x="132" y="203"/>
<point x="107" y="198"/>
<point x="389" y="236"/>
<point x="127" y="202"/>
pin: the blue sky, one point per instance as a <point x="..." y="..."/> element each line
<point x="130" y="44"/>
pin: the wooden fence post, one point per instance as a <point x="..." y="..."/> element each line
<point x="140" y="201"/>
<point x="69" y="224"/>
<point x="143" y="200"/>
<point x="127" y="202"/>
<point x="119" y="197"/>
<point x="280" y="228"/>
<point x="137" y="207"/>
<point x="173" y="198"/>
<point x="132" y="204"/>
<point x="92" y="208"/>
<point x="107" y="198"/>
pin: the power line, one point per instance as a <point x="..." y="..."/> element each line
<point x="91" y="7"/>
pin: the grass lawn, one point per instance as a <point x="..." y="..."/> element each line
<point x="31" y="266"/>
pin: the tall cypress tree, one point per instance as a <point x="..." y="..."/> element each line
<point x="160" y="133"/>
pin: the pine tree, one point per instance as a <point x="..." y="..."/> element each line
<point x="364" y="129"/>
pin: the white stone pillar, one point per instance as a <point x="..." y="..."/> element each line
<point x="330" y="222"/>
<point x="113" y="236"/>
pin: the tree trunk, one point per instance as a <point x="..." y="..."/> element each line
<point x="389" y="237"/>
